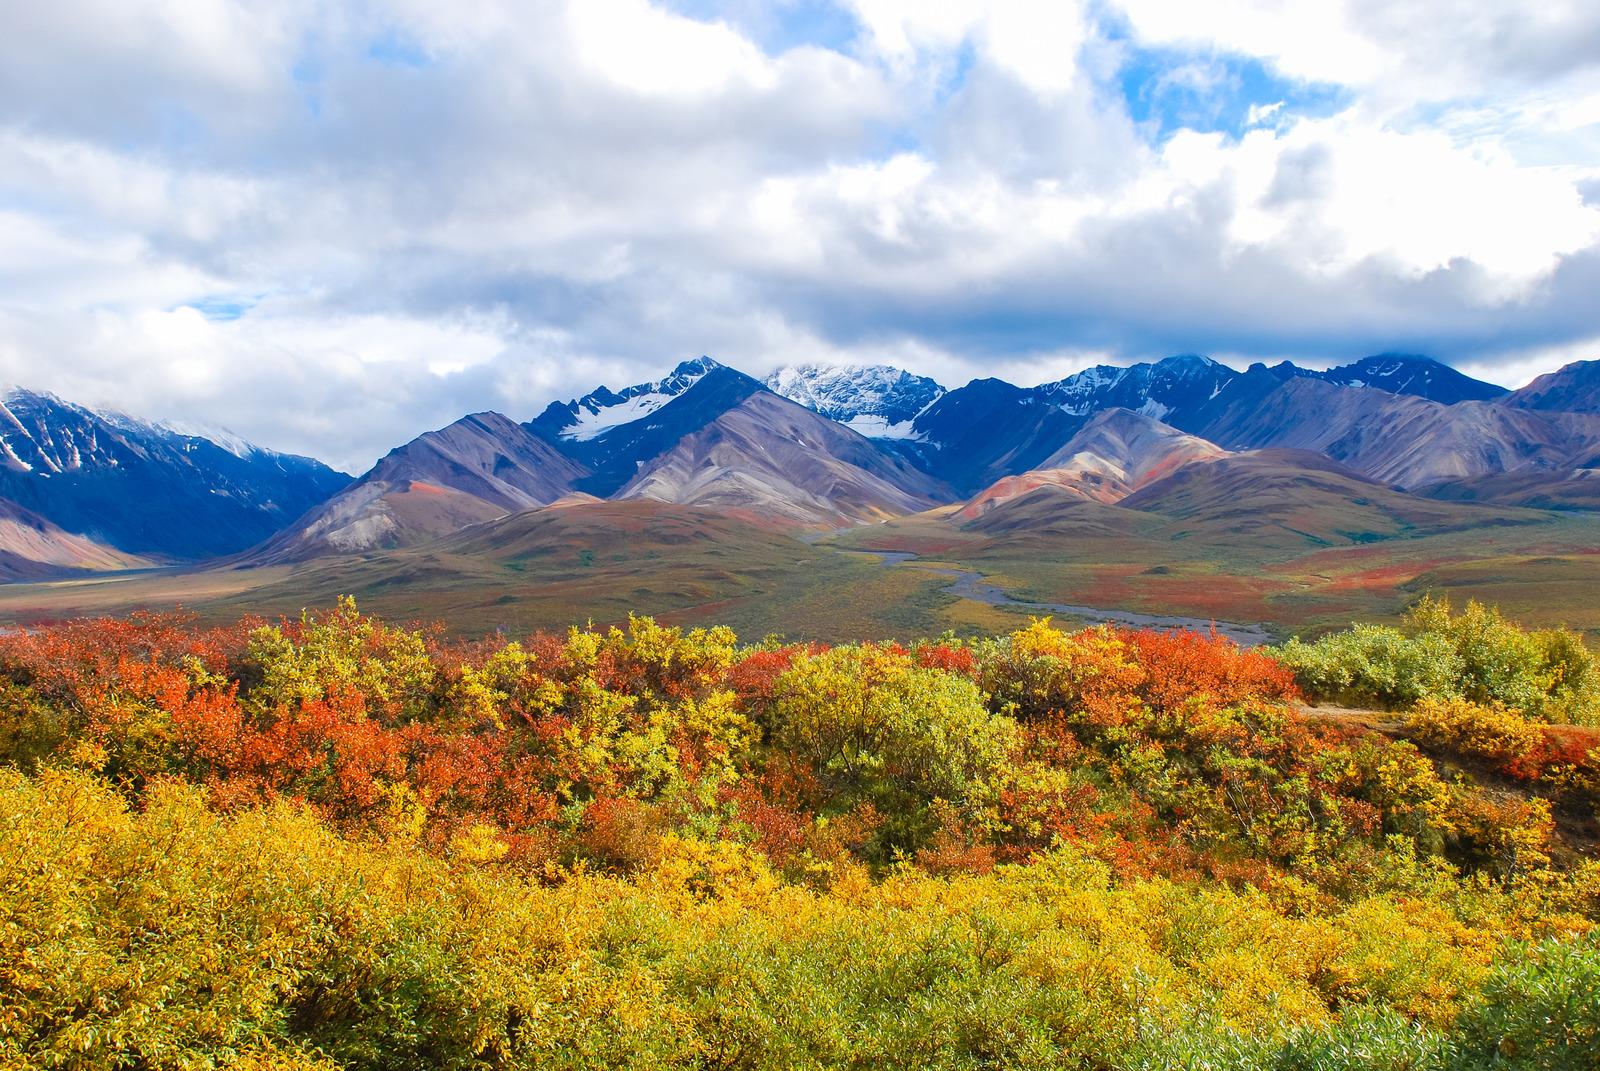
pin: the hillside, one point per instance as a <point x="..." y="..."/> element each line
<point x="771" y="459"/>
<point x="1268" y="497"/>
<point x="481" y="467"/>
<point x="1402" y="440"/>
<point x="1115" y="454"/>
<point x="1574" y="388"/>
<point x="31" y="547"/>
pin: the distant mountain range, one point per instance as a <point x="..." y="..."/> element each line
<point x="129" y="491"/>
<point x="821" y="446"/>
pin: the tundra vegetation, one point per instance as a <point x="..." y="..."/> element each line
<point x="333" y="842"/>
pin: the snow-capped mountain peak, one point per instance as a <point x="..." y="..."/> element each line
<point x="60" y="429"/>
<point x="878" y="401"/>
<point x="1170" y="385"/>
<point x="603" y="409"/>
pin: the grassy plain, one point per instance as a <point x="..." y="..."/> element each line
<point x="1542" y="573"/>
<point x="549" y="568"/>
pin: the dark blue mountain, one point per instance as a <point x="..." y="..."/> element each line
<point x="1169" y="390"/>
<point x="976" y="434"/>
<point x="608" y="431"/>
<point x="150" y="489"/>
<point x="988" y="429"/>
<point x="602" y="409"/>
<point x="1405" y="373"/>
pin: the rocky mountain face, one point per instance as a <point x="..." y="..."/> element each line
<point x="1169" y="390"/>
<point x="1114" y="455"/>
<point x="876" y="400"/>
<point x="479" y="468"/>
<point x="149" y="491"/>
<point x="585" y="419"/>
<point x="770" y="458"/>
<point x="616" y="455"/>
<point x="1401" y="373"/>
<point x="706" y="435"/>
<point x="974" y="435"/>
<point x="1572" y="389"/>
<point x="1403" y="440"/>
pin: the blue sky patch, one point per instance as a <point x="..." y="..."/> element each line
<point x="394" y="49"/>
<point x="222" y="307"/>
<point x="1168" y="90"/>
<point x="778" y="27"/>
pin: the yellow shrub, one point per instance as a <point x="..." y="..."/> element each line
<point x="1488" y="731"/>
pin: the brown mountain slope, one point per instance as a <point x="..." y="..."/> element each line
<point x="1574" y="388"/>
<point x="1288" y="498"/>
<point x="31" y="547"/>
<point x="1114" y="455"/>
<point x="1578" y="489"/>
<point x="776" y="461"/>
<point x="605" y="529"/>
<point x="481" y="467"/>
<point x="1402" y="440"/>
<point x="1052" y="512"/>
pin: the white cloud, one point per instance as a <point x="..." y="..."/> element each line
<point x="652" y="51"/>
<point x="417" y="210"/>
<point x="1257" y="114"/>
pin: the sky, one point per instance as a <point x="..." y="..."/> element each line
<point x="332" y="226"/>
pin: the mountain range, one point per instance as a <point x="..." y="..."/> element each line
<point x="1399" y="438"/>
<point x="82" y="489"/>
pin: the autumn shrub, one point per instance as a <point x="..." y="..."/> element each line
<point x="878" y="727"/>
<point x="1489" y="732"/>
<point x="336" y="842"/>
<point x="1563" y="760"/>
<point x="1043" y="674"/>
<point x="1476" y="654"/>
<point x="1188" y="667"/>
<point x="174" y="936"/>
<point x="1539" y="1008"/>
<point x="1545" y="673"/>
<point x="1373" y="665"/>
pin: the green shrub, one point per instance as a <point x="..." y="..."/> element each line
<point x="1374" y="665"/>
<point x="1540" y="1009"/>
<point x="1476" y="655"/>
<point x="882" y="729"/>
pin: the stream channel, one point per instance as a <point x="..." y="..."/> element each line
<point x="970" y="585"/>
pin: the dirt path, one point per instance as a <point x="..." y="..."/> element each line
<point x="1388" y="722"/>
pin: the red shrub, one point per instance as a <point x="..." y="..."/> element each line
<point x="1180" y="666"/>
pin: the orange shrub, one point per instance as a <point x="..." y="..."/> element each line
<point x="1181" y="667"/>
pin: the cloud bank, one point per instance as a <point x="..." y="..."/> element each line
<point x="331" y="226"/>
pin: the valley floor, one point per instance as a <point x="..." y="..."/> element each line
<point x="690" y="567"/>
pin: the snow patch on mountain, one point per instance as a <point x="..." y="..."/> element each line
<point x="1172" y="385"/>
<point x="878" y="401"/>
<point x="593" y="419"/>
<point x="233" y="443"/>
<point x="876" y="427"/>
<point x="601" y="410"/>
